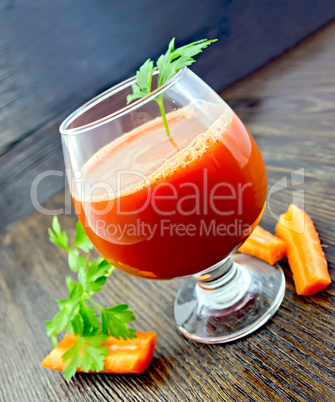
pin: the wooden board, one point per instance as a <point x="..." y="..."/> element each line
<point x="55" y="56"/>
<point x="289" y="108"/>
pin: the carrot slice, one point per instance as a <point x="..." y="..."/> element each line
<point x="304" y="253"/>
<point x="124" y="357"/>
<point x="264" y="245"/>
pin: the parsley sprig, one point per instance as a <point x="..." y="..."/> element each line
<point x="168" y="65"/>
<point x="76" y="316"/>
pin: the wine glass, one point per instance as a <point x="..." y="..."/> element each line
<point x="170" y="186"/>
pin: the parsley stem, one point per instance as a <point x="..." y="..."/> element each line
<point x="159" y="100"/>
<point x="95" y="303"/>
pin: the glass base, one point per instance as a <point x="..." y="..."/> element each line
<point x="232" y="300"/>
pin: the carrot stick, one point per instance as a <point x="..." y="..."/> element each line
<point x="304" y="253"/>
<point x="124" y="357"/>
<point x="264" y="245"/>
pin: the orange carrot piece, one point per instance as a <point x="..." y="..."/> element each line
<point x="131" y="356"/>
<point x="264" y="245"/>
<point x="124" y="357"/>
<point x="304" y="253"/>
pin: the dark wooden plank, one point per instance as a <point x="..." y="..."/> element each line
<point x="27" y="163"/>
<point x="51" y="52"/>
<point x="55" y="56"/>
<point x="288" y="106"/>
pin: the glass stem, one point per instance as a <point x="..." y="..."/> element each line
<point x="219" y="275"/>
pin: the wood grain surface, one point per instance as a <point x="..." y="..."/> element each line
<point x="289" y="107"/>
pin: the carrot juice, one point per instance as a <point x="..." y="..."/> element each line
<point x="163" y="207"/>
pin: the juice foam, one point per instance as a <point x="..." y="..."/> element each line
<point x="102" y="166"/>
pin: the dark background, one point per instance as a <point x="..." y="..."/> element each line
<point x="57" y="55"/>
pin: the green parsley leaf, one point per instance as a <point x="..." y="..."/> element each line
<point x="90" y="318"/>
<point x="176" y="59"/>
<point x="76" y="316"/>
<point x="77" y="324"/>
<point x="73" y="301"/>
<point x="86" y="353"/>
<point x="69" y="283"/>
<point x="68" y="309"/>
<point x="93" y="352"/>
<point x="82" y="241"/>
<point x="56" y="236"/>
<point x="166" y="58"/>
<point x="75" y="359"/>
<point x="168" y="65"/>
<point x="114" y="321"/>
<point x="142" y="87"/>
<point x="76" y="261"/>
<point x="96" y="275"/>
<point x="60" y="321"/>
